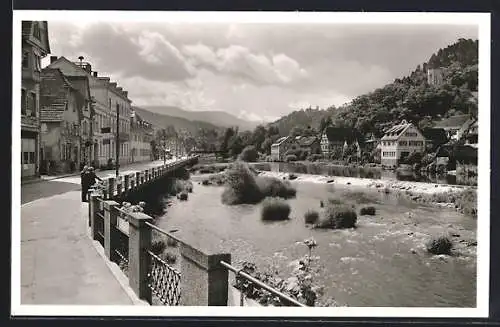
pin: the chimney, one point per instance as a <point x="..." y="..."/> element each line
<point x="95" y="74"/>
<point x="53" y="59"/>
<point x="88" y="68"/>
<point x="125" y="93"/>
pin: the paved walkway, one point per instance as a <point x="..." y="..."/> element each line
<point x="59" y="263"/>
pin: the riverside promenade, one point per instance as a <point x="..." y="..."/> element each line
<point x="60" y="263"/>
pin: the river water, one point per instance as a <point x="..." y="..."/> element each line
<point x="382" y="262"/>
<point x="360" y="172"/>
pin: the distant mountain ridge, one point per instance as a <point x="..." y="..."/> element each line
<point x="217" y="118"/>
<point x="163" y="120"/>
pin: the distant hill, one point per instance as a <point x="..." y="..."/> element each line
<point x="217" y="118"/>
<point x="164" y="120"/>
<point x="302" y="118"/>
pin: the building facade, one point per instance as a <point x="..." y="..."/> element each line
<point x="61" y="113"/>
<point x="280" y="147"/>
<point x="399" y="142"/>
<point x="335" y="140"/>
<point x="35" y="46"/>
<point x="435" y="76"/>
<point x="141" y="135"/>
<point x="106" y="99"/>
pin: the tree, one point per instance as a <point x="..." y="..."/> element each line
<point x="258" y="137"/>
<point x="266" y="145"/>
<point x="228" y="134"/>
<point x="249" y="154"/>
<point x="236" y="145"/>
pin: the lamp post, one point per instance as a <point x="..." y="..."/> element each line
<point x="117" y="141"/>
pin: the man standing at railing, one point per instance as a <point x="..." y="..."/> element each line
<point x="88" y="179"/>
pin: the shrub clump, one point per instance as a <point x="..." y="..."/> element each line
<point x="439" y="245"/>
<point x="241" y="186"/>
<point x="273" y="187"/>
<point x="171" y="242"/>
<point x="249" y="154"/>
<point x="275" y="209"/>
<point x="337" y="216"/>
<point x="369" y="211"/>
<point x="311" y="217"/>
<point x="291" y="158"/>
<point x="168" y="257"/>
<point x="183" y="196"/>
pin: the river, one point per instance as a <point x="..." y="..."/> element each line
<point x="382" y="262"/>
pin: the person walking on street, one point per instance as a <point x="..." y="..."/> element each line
<point x="83" y="182"/>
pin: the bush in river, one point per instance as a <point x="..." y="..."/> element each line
<point x="245" y="187"/>
<point x="370" y="211"/>
<point x="275" y="209"/>
<point x="273" y="187"/>
<point x="336" y="216"/>
<point x="241" y="186"/>
<point x="183" y="196"/>
<point x="311" y="217"/>
<point x="439" y="245"/>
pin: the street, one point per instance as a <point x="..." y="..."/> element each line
<point x="47" y="188"/>
<point x="59" y="264"/>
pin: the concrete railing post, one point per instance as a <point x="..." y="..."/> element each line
<point x="138" y="178"/>
<point x="119" y="185"/>
<point x="110" y="220"/>
<point x="139" y="260"/>
<point x="111" y="187"/>
<point x="127" y="182"/>
<point x="142" y="178"/>
<point x="204" y="282"/>
<point x="132" y="181"/>
<point x="95" y="206"/>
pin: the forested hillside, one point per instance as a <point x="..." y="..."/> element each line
<point x="410" y="97"/>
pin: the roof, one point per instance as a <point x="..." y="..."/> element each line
<point x="437" y="135"/>
<point x="341" y="134"/>
<point x="452" y="122"/>
<point x="53" y="98"/>
<point x="280" y="140"/>
<point x="80" y="84"/>
<point x="307" y="140"/>
<point x="395" y="131"/>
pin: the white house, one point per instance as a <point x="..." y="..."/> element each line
<point x="399" y="142"/>
<point x="279" y="148"/>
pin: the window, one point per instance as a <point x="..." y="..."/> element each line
<point x="36" y="30"/>
<point x="37" y="63"/>
<point x="109" y="103"/>
<point x="26" y="59"/>
<point x="32" y="104"/>
<point x="403" y="143"/>
<point x="25" y="158"/>
<point x="31" y="157"/>
<point x="23" y="101"/>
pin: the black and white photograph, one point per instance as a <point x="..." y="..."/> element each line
<point x="249" y="163"/>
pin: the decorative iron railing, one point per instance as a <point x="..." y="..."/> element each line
<point x="163" y="279"/>
<point x="99" y="222"/>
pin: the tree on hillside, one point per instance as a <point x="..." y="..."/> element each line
<point x="228" y="134"/>
<point x="258" y="137"/>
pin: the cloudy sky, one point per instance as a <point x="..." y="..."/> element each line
<point x="253" y="71"/>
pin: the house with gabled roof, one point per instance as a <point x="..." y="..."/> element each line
<point x="61" y="113"/>
<point x="399" y="142"/>
<point x="334" y="140"/>
<point x="280" y="147"/>
<point x="452" y="125"/>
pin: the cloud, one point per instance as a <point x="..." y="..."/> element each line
<point x="146" y="54"/>
<point x="239" y="61"/>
